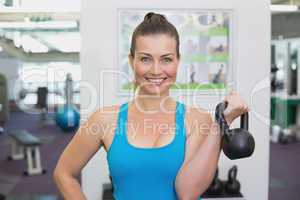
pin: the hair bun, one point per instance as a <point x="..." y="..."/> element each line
<point x="153" y="16"/>
<point x="148" y="16"/>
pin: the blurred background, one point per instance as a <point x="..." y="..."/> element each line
<point x="39" y="77"/>
<point x="39" y="95"/>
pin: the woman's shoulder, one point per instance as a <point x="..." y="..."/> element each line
<point x="197" y="118"/>
<point x="197" y="113"/>
<point x="105" y="114"/>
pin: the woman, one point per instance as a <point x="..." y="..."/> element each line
<point x="157" y="148"/>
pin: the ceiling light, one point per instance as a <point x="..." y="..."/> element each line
<point x="40" y="25"/>
<point x="284" y="8"/>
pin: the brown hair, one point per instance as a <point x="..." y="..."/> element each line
<point x="154" y="24"/>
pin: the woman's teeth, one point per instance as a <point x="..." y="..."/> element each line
<point x="156" y="80"/>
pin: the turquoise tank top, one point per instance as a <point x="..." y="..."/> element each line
<point x="141" y="173"/>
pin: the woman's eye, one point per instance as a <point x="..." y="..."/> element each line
<point x="145" y="59"/>
<point x="167" y="60"/>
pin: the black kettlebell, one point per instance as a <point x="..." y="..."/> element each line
<point x="236" y="143"/>
<point x="216" y="186"/>
<point x="232" y="185"/>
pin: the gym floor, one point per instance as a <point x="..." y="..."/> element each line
<point x="284" y="164"/>
<point x="41" y="187"/>
<point x="284" y="171"/>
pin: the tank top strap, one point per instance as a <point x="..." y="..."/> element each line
<point x="180" y="124"/>
<point x="180" y="111"/>
<point x="121" y="124"/>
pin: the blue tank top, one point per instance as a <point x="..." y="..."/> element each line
<point x="141" y="173"/>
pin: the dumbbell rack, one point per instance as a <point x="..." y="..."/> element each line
<point x="223" y="195"/>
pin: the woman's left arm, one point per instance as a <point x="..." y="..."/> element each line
<point x="201" y="157"/>
<point x="203" y="149"/>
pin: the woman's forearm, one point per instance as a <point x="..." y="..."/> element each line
<point x="195" y="177"/>
<point x="69" y="187"/>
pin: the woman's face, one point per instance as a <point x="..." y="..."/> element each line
<point x="155" y="63"/>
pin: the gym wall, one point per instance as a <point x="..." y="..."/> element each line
<point x="251" y="52"/>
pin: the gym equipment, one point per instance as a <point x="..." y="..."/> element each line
<point x="42" y="94"/>
<point x="4" y="107"/>
<point x="284" y="136"/>
<point x="107" y="193"/>
<point x="236" y="143"/>
<point x="67" y="118"/>
<point x="216" y="187"/>
<point x="1" y="128"/>
<point x="295" y="132"/>
<point x="42" y="104"/>
<point x="225" y="189"/>
<point x="287" y="136"/>
<point x="69" y="90"/>
<point x="285" y="97"/>
<point x="293" y="70"/>
<point x="275" y="133"/>
<point x="232" y="185"/>
<point x="276" y="84"/>
<point x="25" y="145"/>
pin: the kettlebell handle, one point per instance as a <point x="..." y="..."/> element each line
<point x="219" y="115"/>
<point x="245" y="121"/>
<point x="220" y="118"/>
<point x="232" y="174"/>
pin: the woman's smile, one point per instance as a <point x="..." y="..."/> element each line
<point x="156" y="81"/>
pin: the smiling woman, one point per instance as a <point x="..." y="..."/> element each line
<point x="154" y="63"/>
<point x="158" y="148"/>
<point x="154" y="54"/>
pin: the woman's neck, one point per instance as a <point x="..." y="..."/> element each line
<point x="155" y="104"/>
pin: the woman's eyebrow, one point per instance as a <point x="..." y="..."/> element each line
<point x="147" y="54"/>
<point x="168" y="54"/>
<point x="143" y="53"/>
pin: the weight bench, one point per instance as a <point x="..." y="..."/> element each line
<point x="25" y="145"/>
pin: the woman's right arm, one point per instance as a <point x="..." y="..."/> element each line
<point x="85" y="143"/>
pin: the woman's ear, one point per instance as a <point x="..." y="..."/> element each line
<point x="130" y="59"/>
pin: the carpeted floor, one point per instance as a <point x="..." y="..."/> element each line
<point x="284" y="164"/>
<point x="12" y="182"/>
<point x="284" y="172"/>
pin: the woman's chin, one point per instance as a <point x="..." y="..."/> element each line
<point x="156" y="89"/>
<point x="162" y="89"/>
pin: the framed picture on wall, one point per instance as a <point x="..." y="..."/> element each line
<point x="205" y="47"/>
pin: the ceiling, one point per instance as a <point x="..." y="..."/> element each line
<point x="289" y="2"/>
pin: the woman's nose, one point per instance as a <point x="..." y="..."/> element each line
<point x="156" y="68"/>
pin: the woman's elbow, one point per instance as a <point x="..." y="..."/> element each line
<point x="59" y="176"/>
<point x="191" y="194"/>
<point x="187" y="193"/>
<point x="191" y="191"/>
<point x="187" y="196"/>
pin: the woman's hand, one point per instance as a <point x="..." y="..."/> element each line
<point x="236" y="107"/>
